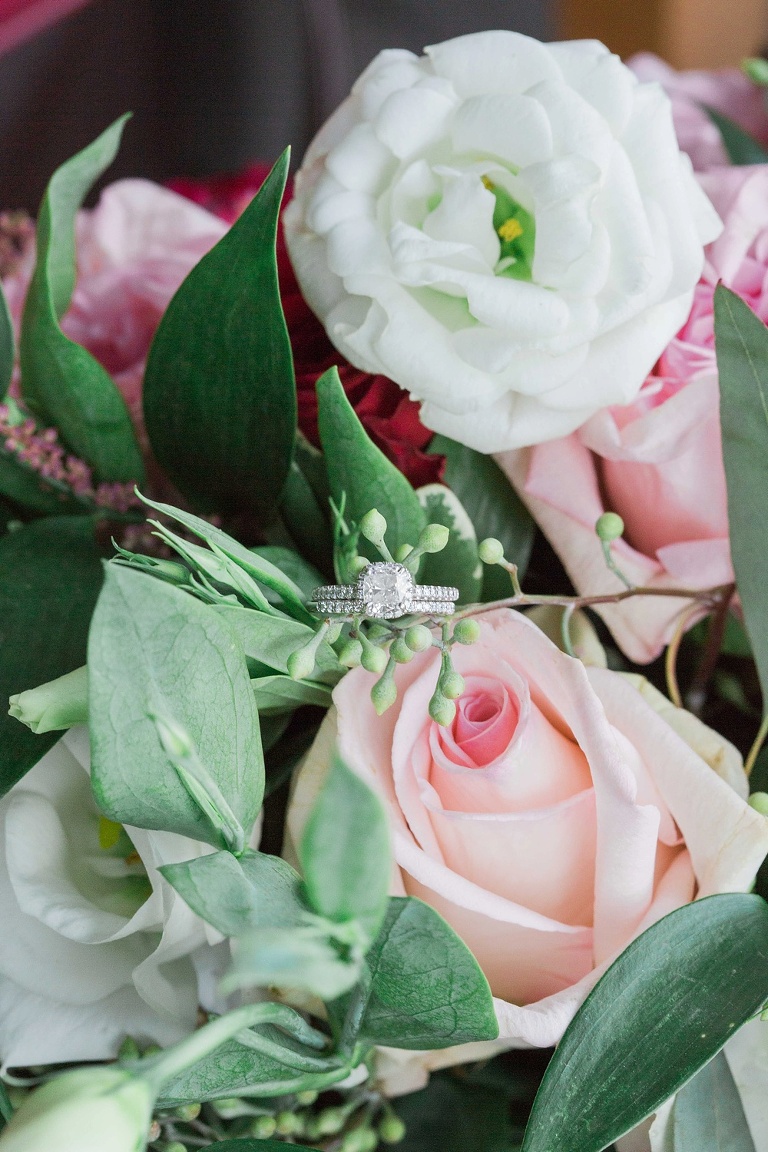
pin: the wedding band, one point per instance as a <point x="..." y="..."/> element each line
<point x="385" y="591"/>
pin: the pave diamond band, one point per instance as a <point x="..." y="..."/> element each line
<point x="385" y="591"/>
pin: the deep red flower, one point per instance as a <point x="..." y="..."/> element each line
<point x="387" y="413"/>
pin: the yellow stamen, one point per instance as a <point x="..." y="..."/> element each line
<point x="489" y="184"/>
<point x="510" y="230"/>
<point x="109" y="833"/>
<point x="133" y="858"/>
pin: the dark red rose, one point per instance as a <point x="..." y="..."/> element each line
<point x="386" y="412"/>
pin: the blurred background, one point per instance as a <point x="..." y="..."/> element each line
<point x="216" y="84"/>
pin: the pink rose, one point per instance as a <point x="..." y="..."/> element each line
<point x="728" y="92"/>
<point x="657" y="461"/>
<point x="558" y="817"/>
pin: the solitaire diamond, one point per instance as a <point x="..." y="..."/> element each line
<point x="386" y="590"/>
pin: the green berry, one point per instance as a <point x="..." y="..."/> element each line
<point x="350" y="653"/>
<point x="373" y="526"/>
<point x="288" y="1124"/>
<point x="400" y="652"/>
<point x="392" y="1129"/>
<point x="301" y="664"/>
<point x="466" y="632"/>
<point x="306" y="1098"/>
<point x="759" y="801"/>
<point x="756" y="68"/>
<point x="491" y="551"/>
<point x="383" y="694"/>
<point x="609" y="526"/>
<point x="418" y="638"/>
<point x="452" y="685"/>
<point x="263" y="1127"/>
<point x="175" y="1146"/>
<point x="187" y="1112"/>
<point x="374" y="659"/>
<point x="358" y="564"/>
<point x="360" y="1140"/>
<point x="330" y="1121"/>
<point x="442" y="711"/>
<point x="434" y="538"/>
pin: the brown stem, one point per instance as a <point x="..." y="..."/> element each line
<point x="709" y="596"/>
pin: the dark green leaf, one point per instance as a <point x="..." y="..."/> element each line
<point x="357" y="467"/>
<point x="25" y="486"/>
<point x="306" y="519"/>
<point x="6" y="1108"/>
<point x="50" y="575"/>
<point x="708" y="1113"/>
<point x="155" y="650"/>
<point x="62" y="382"/>
<point x="740" y="146"/>
<point x="659" y="1014"/>
<point x="219" y="391"/>
<point x="742" y="360"/>
<point x="237" y="895"/>
<point x="455" y="1115"/>
<point x="427" y="990"/>
<point x="493" y="506"/>
<point x="345" y="852"/>
<point x="7" y="344"/>
<point x="458" y="564"/>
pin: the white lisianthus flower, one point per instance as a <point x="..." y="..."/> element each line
<point x="506" y="228"/>
<point x="96" y="944"/>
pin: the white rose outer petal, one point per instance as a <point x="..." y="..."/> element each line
<point x="392" y="238"/>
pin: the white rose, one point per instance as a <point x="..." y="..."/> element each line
<point x="506" y="228"/>
<point x="96" y="944"/>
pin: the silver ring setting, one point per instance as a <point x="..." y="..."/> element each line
<point x="385" y="591"/>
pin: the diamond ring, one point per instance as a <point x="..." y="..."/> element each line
<point x="385" y="591"/>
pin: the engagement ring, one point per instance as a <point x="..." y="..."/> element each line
<point x="385" y="591"/>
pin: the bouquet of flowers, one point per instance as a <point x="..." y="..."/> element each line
<point x="385" y="627"/>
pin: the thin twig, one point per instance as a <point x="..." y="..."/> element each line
<point x="754" y="751"/>
<point x="673" y="648"/>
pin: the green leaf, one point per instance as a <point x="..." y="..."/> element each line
<point x="63" y="382"/>
<point x="426" y="990"/>
<point x="7" y="345"/>
<point x="219" y="390"/>
<point x="742" y="148"/>
<point x="296" y="958"/>
<point x="358" y="469"/>
<point x="453" y="1114"/>
<point x="6" y="1108"/>
<point x="493" y="506"/>
<point x="274" y="694"/>
<point x="21" y="483"/>
<point x="259" y="1146"/>
<point x="345" y="852"/>
<point x="458" y="564"/>
<point x="659" y="1014"/>
<point x="50" y="575"/>
<point x="270" y="640"/>
<point x="237" y="895"/>
<point x="742" y="360"/>
<point x="305" y="518"/>
<point x="303" y="574"/>
<point x="708" y="1113"/>
<point x="156" y="651"/>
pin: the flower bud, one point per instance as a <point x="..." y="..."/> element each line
<point x="331" y="1120"/>
<point x="759" y="801"/>
<point x="307" y="1097"/>
<point x="358" y="564"/>
<point x="400" y="652"/>
<point x="434" y="538"/>
<point x="187" y="1112"/>
<point x="756" y="70"/>
<point x="418" y="638"/>
<point x="466" y="632"/>
<point x="350" y="653"/>
<point x="442" y="711"/>
<point x="373" y="526"/>
<point x="392" y="1129"/>
<point x="360" y="1140"/>
<point x="374" y="659"/>
<point x="88" y="1110"/>
<point x="175" y="1146"/>
<point x="54" y="706"/>
<point x="490" y="551"/>
<point x="288" y="1124"/>
<point x="609" y="526"/>
<point x="383" y="694"/>
<point x="263" y="1127"/>
<point x="301" y="664"/>
<point x="452" y="685"/>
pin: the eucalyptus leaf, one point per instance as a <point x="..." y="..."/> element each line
<point x="61" y="381"/>
<point x="345" y="852"/>
<point x="7" y="345"/>
<point x="274" y="694"/>
<point x="270" y="640"/>
<point x="301" y="959"/>
<point x="458" y="564"/>
<point x="358" y="470"/>
<point x="453" y="1114"/>
<point x="708" y="1113"/>
<point x="156" y="651"/>
<point x="493" y="506"/>
<point x="663" y="1009"/>
<point x="50" y="576"/>
<point x="741" y="340"/>
<point x="219" y="390"/>
<point x="742" y="148"/>
<point x="238" y="895"/>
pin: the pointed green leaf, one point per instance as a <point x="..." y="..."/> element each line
<point x="659" y="1014"/>
<point x="741" y="339"/>
<point x="7" y="345"/>
<point x="358" y="469"/>
<point x="156" y="651"/>
<point x="741" y="147"/>
<point x="50" y="575"/>
<point x="458" y="564"/>
<point x="708" y="1113"/>
<point x="219" y="390"/>
<point x="62" y="382"/>
<point x="275" y="694"/>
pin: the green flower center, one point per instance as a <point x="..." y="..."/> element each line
<point x="516" y="229"/>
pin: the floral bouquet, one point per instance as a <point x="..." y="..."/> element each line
<point x="385" y="627"/>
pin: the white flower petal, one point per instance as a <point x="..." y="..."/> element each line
<point x="413" y="119"/>
<point x="598" y="76"/>
<point x="465" y="215"/>
<point x="360" y="161"/>
<point x="492" y="62"/>
<point x="513" y="128"/>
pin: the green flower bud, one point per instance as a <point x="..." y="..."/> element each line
<point x="400" y="652"/>
<point x="358" y="564"/>
<point x="350" y="653"/>
<point x="756" y="69"/>
<point x="418" y="638"/>
<point x="434" y="538"/>
<point x="88" y="1110"/>
<point x="334" y="631"/>
<point x="466" y="632"/>
<point x="331" y="1120"/>
<point x="288" y="1124"/>
<point x="452" y="685"/>
<point x="392" y="1129"/>
<point x="360" y="1140"/>
<point x="373" y="526"/>
<point x="759" y="801"/>
<point x="609" y="526"/>
<point x="301" y="664"/>
<point x="175" y="1146"/>
<point x="442" y="711"/>
<point x="383" y="694"/>
<point x="491" y="551"/>
<point x="374" y="659"/>
<point x="263" y="1127"/>
<point x="53" y="706"/>
<point x="306" y="1098"/>
<point x="129" y="1049"/>
<point x="187" y="1112"/>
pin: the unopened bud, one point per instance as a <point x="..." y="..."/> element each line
<point x="374" y="659"/>
<point x="263" y="1127"/>
<point x="175" y="1146"/>
<point x="452" y="685"/>
<point x="54" y="706"/>
<point x="383" y="694"/>
<point x="174" y="738"/>
<point x="331" y="1120"/>
<point x="373" y="526"/>
<point x="490" y="551"/>
<point x="418" y="638"/>
<point x="609" y="526"/>
<point x="301" y="664"/>
<point x="288" y="1124"/>
<point x="466" y="632"/>
<point x="358" y="564"/>
<point x="759" y="801"/>
<point x="187" y="1112"/>
<point x="350" y="653"/>
<point x="442" y="711"/>
<point x="307" y="1097"/>
<point x="756" y="69"/>
<point x="400" y="652"/>
<point x="360" y="1140"/>
<point x="434" y="538"/>
<point x="392" y="1129"/>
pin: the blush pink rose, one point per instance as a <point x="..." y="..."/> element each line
<point x="558" y="817"/>
<point x="728" y="91"/>
<point x="658" y="461"/>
